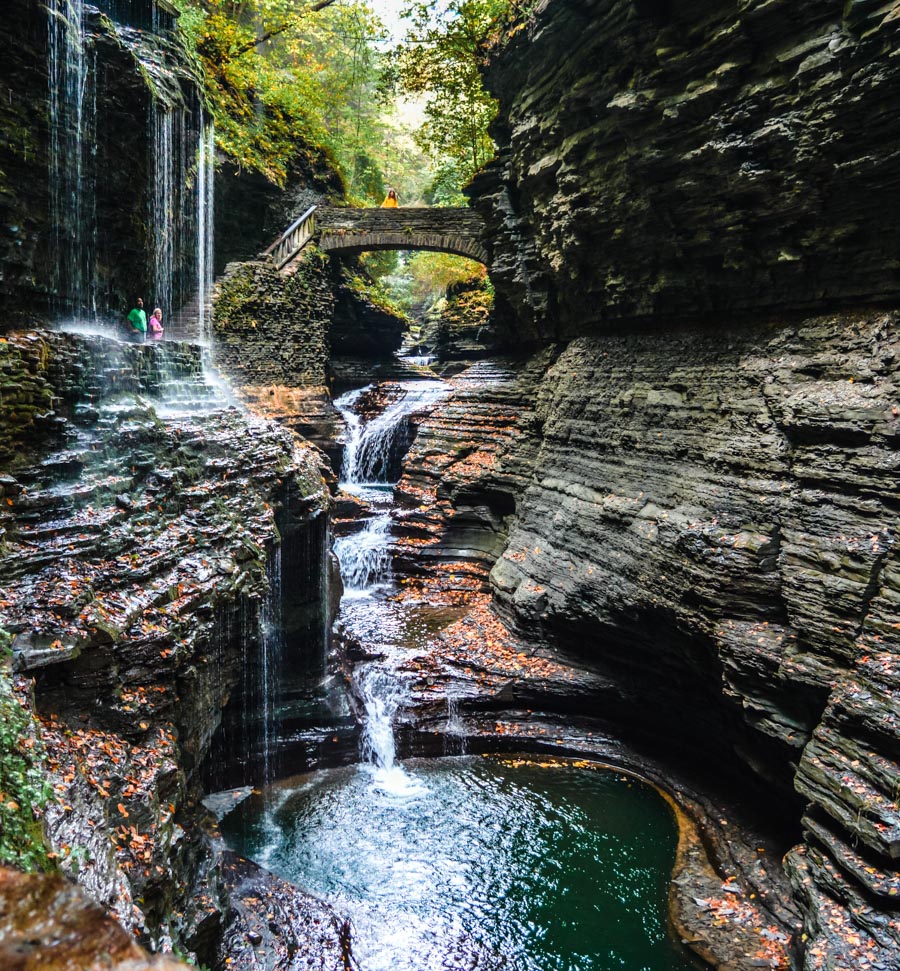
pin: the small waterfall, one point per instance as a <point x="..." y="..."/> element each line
<point x="372" y="447"/>
<point x="354" y="424"/>
<point x="205" y="225"/>
<point x="271" y="655"/>
<point x="382" y="699"/>
<point x="364" y="557"/>
<point x="73" y="182"/>
<point x="371" y="451"/>
<point x="180" y="216"/>
<point x="382" y="695"/>
<point x="456" y="729"/>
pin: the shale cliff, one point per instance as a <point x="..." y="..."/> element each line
<point x="693" y="204"/>
<point x="661" y="159"/>
<point x="141" y="516"/>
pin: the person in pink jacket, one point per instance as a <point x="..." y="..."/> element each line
<point x="156" y="327"/>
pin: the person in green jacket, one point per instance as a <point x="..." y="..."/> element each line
<point x="137" y="320"/>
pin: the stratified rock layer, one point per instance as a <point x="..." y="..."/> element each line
<point x="140" y="515"/>
<point x="661" y="159"/>
<point x="273" y="329"/>
<point x="712" y="515"/>
<point x="712" y="518"/>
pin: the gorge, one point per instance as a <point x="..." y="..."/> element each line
<point x="293" y="606"/>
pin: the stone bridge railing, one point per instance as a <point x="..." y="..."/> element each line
<point x="337" y="230"/>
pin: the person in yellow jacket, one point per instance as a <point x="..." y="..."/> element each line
<point x="390" y="201"/>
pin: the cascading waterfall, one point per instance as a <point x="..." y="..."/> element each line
<point x="372" y="447"/>
<point x="163" y="218"/>
<point x="73" y="182"/>
<point x="364" y="557"/>
<point x="370" y="453"/>
<point x="382" y="696"/>
<point x="456" y="729"/>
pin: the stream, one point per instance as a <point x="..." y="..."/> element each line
<point x="459" y="862"/>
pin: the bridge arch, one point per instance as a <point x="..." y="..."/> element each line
<point x="459" y="231"/>
<point x="435" y="243"/>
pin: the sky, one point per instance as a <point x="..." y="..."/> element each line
<point x="389" y="13"/>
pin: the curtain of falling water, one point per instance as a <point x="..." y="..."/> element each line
<point x="271" y="653"/>
<point x="181" y="209"/>
<point x="162" y="214"/>
<point x="73" y="183"/>
<point x="205" y="220"/>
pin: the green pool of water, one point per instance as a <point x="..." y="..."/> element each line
<point x="478" y="863"/>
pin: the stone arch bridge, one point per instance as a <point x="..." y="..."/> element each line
<point x="336" y="230"/>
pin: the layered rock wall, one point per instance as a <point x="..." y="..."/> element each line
<point x="664" y="159"/>
<point x="696" y="201"/>
<point x="273" y="329"/>
<point x="136" y="539"/>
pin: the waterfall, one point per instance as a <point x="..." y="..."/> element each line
<point x="382" y="699"/>
<point x="180" y="215"/>
<point x="73" y="183"/>
<point x="205" y="225"/>
<point x="364" y="557"/>
<point x="271" y="654"/>
<point x="372" y="451"/>
<point x="372" y="447"/>
<point x="455" y="737"/>
<point x="162" y="216"/>
<point x="382" y="695"/>
<point x="179" y="193"/>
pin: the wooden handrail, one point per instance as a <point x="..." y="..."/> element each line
<point x="294" y="225"/>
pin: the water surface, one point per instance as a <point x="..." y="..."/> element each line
<point x="478" y="863"/>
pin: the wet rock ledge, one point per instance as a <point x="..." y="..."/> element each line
<point x="137" y="517"/>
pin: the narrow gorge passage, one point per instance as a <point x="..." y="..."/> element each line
<point x="541" y="864"/>
<point x="449" y="474"/>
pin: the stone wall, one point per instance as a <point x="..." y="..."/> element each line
<point x="675" y="160"/>
<point x="273" y="328"/>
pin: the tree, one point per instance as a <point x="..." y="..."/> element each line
<point x="441" y="58"/>
<point x="287" y="79"/>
